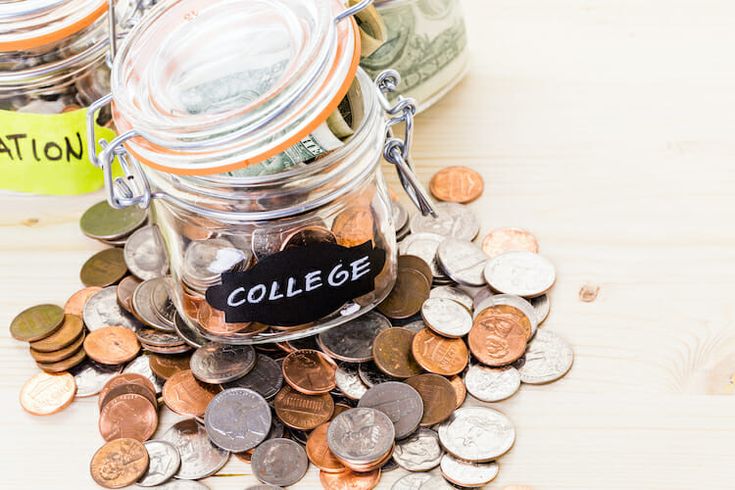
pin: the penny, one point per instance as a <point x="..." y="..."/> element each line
<point x="408" y="294"/>
<point x="438" y="396"/>
<point x="318" y="452"/>
<point x="266" y="378"/>
<point x="125" y="291"/>
<point x="453" y="293"/>
<point x="412" y="481"/>
<point x="90" y="377"/>
<point x="549" y="357"/>
<point x="453" y="220"/>
<point x="58" y="355"/>
<point x="417" y="263"/>
<point x="237" y="419"/>
<point x="103" y="310"/>
<point x="420" y="452"/>
<point x="392" y="353"/>
<point x="376" y="435"/>
<point x="104" y="268"/>
<point x="280" y="462"/>
<point x="477" y="434"/>
<point x="499" y="335"/>
<point x="424" y="246"/>
<point x="70" y="331"/>
<point x="37" y="322"/>
<point x="200" y="458"/>
<point x="216" y="328"/>
<point x="141" y="365"/>
<point x="164" y="462"/>
<point x="352" y="341"/>
<point x="303" y="412"/>
<point x="348" y="381"/>
<point x="45" y="394"/>
<point x="371" y="375"/>
<point x="515" y="301"/>
<point x="126" y="379"/>
<point x="456" y="184"/>
<point x="400" y="402"/>
<point x="492" y="384"/>
<point x="112" y="345"/>
<point x="542" y="306"/>
<point x="183" y="394"/>
<point x="502" y="240"/>
<point x="310" y="372"/>
<point x="64" y="364"/>
<point x="463" y="261"/>
<point x="353" y="226"/>
<point x="75" y="304"/>
<point x="439" y="355"/>
<point x="459" y="389"/>
<point x="308" y="235"/>
<point x="349" y="480"/>
<point x="468" y="475"/>
<point x="130" y="415"/>
<point x="166" y="366"/>
<point x="119" y="463"/>
<point x="103" y="222"/>
<point x="446" y="317"/>
<point x="152" y="304"/>
<point x="219" y="363"/>
<point x="144" y="253"/>
<point x="521" y="273"/>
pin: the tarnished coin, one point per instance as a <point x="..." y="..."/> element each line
<point x="549" y="357"/>
<point x="453" y="220"/>
<point x="141" y="365"/>
<point x="453" y="293"/>
<point x="353" y="341"/>
<point x="102" y="310"/>
<point x="125" y="290"/>
<point x="190" y="335"/>
<point x="412" y="481"/>
<point x="446" y="317"/>
<point x="220" y="363"/>
<point x="310" y="372"/>
<point x="376" y="435"/>
<point x="456" y="184"/>
<point x="129" y="414"/>
<point x="439" y="355"/>
<point x="420" y="452"/>
<point x="502" y="240"/>
<point x="492" y="384"/>
<point x="280" y="462"/>
<point x="145" y="254"/>
<point x="542" y="305"/>
<point x="400" y="402"/>
<point x="521" y="273"/>
<point x="103" y="222"/>
<point x="466" y="474"/>
<point x="353" y="226"/>
<point x="119" y="463"/>
<point x="111" y="345"/>
<point x="90" y="377"/>
<point x="308" y="235"/>
<point x="65" y="364"/>
<point x="58" y="355"/>
<point x="266" y="378"/>
<point x="150" y="337"/>
<point x="200" y="458"/>
<point x="408" y="294"/>
<point x="438" y="396"/>
<point x="152" y="303"/>
<point x="371" y="375"/>
<point x="349" y="382"/>
<point x="71" y="329"/>
<point x="206" y="260"/>
<point x="499" y="335"/>
<point x="75" y="304"/>
<point x="392" y="353"/>
<point x="424" y="246"/>
<point x="303" y="412"/>
<point x="459" y="389"/>
<point x="512" y="300"/>
<point x="477" y="434"/>
<point x="104" y="268"/>
<point x="238" y="419"/>
<point x="416" y="263"/>
<point x="349" y="480"/>
<point x="318" y="452"/>
<point x="183" y="394"/>
<point x="37" y="322"/>
<point x="463" y="261"/>
<point x="164" y="462"/>
<point x="45" y="394"/>
<point x="166" y="366"/>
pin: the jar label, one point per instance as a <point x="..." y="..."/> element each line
<point x="47" y="153"/>
<point x="298" y="285"/>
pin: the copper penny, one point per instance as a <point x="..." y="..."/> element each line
<point x="310" y="372"/>
<point x="128" y="415"/>
<point x="186" y="395"/>
<point x="64" y="364"/>
<point x="125" y="379"/>
<point x="127" y="389"/>
<point x="119" y="463"/>
<point x="459" y="389"/>
<point x="439" y="355"/>
<point x="46" y="393"/>
<point x="75" y="304"/>
<point x="339" y="408"/>
<point x="125" y="291"/>
<point x="213" y="321"/>
<point x="70" y="331"/>
<point x="353" y="226"/>
<point x="349" y="480"/>
<point x="456" y="184"/>
<point x="104" y="268"/>
<point x="166" y="366"/>
<point x="502" y="240"/>
<point x="112" y="345"/>
<point x="319" y="453"/>
<point x="36" y="322"/>
<point x="438" y="395"/>
<point x="303" y="412"/>
<point x="308" y="235"/>
<point x="58" y="355"/>
<point x="499" y="335"/>
<point x="409" y="292"/>
<point x="392" y="353"/>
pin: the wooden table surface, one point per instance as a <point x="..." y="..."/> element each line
<point x="608" y="129"/>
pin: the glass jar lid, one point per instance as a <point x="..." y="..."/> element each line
<point x="207" y="87"/>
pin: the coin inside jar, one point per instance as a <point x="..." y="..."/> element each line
<point x="310" y="372"/>
<point x="119" y="463"/>
<point x="144" y="253"/>
<point x="37" y="322"/>
<point x="446" y="317"/>
<point x="112" y="345"/>
<point x="437" y="395"/>
<point x="353" y="226"/>
<point x="104" y="268"/>
<point x="439" y="355"/>
<point x="220" y="363"/>
<point x="392" y="353"/>
<point x="45" y="393"/>
<point x="308" y="235"/>
<point x="499" y="335"/>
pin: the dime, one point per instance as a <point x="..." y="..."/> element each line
<point x="420" y="452"/>
<point x="64" y="364"/>
<point x="130" y="415"/>
<point x="71" y="329"/>
<point x="103" y="222"/>
<point x="310" y="372"/>
<point x="521" y="273"/>
<point x="376" y="435"/>
<point x="141" y="365"/>
<point x="58" y="355"/>
<point x="392" y="353"/>
<point x="104" y="268"/>
<point x="45" y="394"/>
<point x="453" y="293"/>
<point x="308" y="235"/>
<point x="467" y="474"/>
<point x="456" y="184"/>
<point x="166" y="366"/>
<point x="219" y="363"/>
<point x="446" y="317"/>
<point x="266" y="378"/>
<point x="90" y="377"/>
<point x="183" y="394"/>
<point x="515" y="301"/>
<point x="352" y="342"/>
<point x="279" y="462"/>
<point x="502" y="240"/>
<point x="348" y="381"/>
<point x="144" y="253"/>
<point x="459" y="388"/>
<point x="400" y="402"/>
<point x="119" y="463"/>
<point x="438" y="396"/>
<point x="112" y="345"/>
<point x="237" y="419"/>
<point x="125" y="291"/>
<point x="200" y="458"/>
<point x="453" y="220"/>
<point x="318" y="452"/>
<point x="371" y="375"/>
<point x="439" y="355"/>
<point x="103" y="310"/>
<point x="75" y="304"/>
<point x="152" y="303"/>
<point x="164" y="462"/>
<point x="492" y="384"/>
<point x="353" y="226"/>
<point x="477" y="434"/>
<point x="150" y="337"/>
<point x="499" y="335"/>
<point x="417" y="263"/>
<point x="424" y="246"/>
<point x="549" y="357"/>
<point x="349" y="480"/>
<point x="408" y="294"/>
<point x="463" y="261"/>
<point x="303" y="412"/>
<point x="37" y="322"/>
<point x="542" y="306"/>
<point x="412" y="481"/>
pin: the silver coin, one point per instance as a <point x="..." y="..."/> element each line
<point x="548" y="358"/>
<point x="477" y="434"/>
<point x="90" y="377"/>
<point x="361" y="435"/>
<point x="436" y="483"/>
<point x="521" y="273"/>
<point x="164" y="462"/>
<point x="424" y="246"/>
<point x="463" y="261"/>
<point x="266" y="378"/>
<point x="152" y="303"/>
<point x="221" y="363"/>
<point x="206" y="260"/>
<point x="190" y="335"/>
<point x="400" y="402"/>
<point x="467" y="474"/>
<point x="415" y="326"/>
<point x="412" y="481"/>
<point x="349" y="382"/>
<point x="145" y="254"/>
<point x="542" y="305"/>
<point x="451" y="292"/>
<point x="399" y="215"/>
<point x="453" y="220"/>
<point x="266" y="241"/>
<point x="179" y="349"/>
<point x="446" y="317"/>
<point x="420" y="452"/>
<point x="480" y="296"/>
<point x="200" y="458"/>
<point x="158" y="338"/>
<point x="371" y="375"/>
<point x="238" y="419"/>
<point x="492" y="384"/>
<point x="102" y="310"/>
<point x="353" y="341"/>
<point x="281" y="462"/>
<point x="515" y="301"/>
<point x="141" y="365"/>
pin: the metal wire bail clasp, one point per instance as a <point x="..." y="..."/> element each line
<point x="398" y="151"/>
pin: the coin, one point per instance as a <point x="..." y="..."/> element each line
<point x="453" y="220"/>
<point x="515" y="301"/>
<point x="446" y="317"/>
<point x="549" y="357"/>
<point x="104" y="222"/>
<point x="521" y="273"/>
<point x="499" y="335"/>
<point x="37" y="322"/>
<point x="111" y="345"/>
<point x="206" y="260"/>
<point x="130" y="415"/>
<point x="408" y="294"/>
<point x="502" y="240"/>
<point x="104" y="268"/>
<point x="266" y="378"/>
<point x="200" y="458"/>
<point x="412" y="481"/>
<point x="453" y="293"/>
<point x="164" y="462"/>
<point x="303" y="412"/>
<point x="492" y="384"/>
<point x="352" y="341"/>
<point x="190" y="335"/>
<point x="70" y="331"/>
<point x="439" y="355"/>
<point x="376" y="436"/>
<point x="152" y="304"/>
<point x="219" y="363"/>
<point x="183" y="394"/>
<point x="75" y="304"/>
<point x="119" y="463"/>
<point x="477" y="434"/>
<point x="141" y="365"/>
<point x="125" y="290"/>
<point x="371" y="375"/>
<point x="400" y="402"/>
<point x="463" y="261"/>
<point x="353" y="226"/>
<point x="392" y="353"/>
<point x="280" y="462"/>
<point x="542" y="306"/>
<point x="58" y="355"/>
<point x="438" y="396"/>
<point x="306" y="236"/>
<point x="128" y="379"/>
<point x="424" y="246"/>
<point x="467" y="474"/>
<point x="417" y="263"/>
<point x="102" y="310"/>
<point x="237" y="419"/>
<point x="459" y="389"/>
<point x="319" y="453"/>
<point x="349" y="480"/>
<point x="166" y="366"/>
<point x="90" y="377"/>
<point x="348" y="381"/>
<point x="144" y="253"/>
<point x="310" y="372"/>
<point x="45" y="394"/>
<point x="456" y="184"/>
<point x="64" y="364"/>
<point x="420" y="452"/>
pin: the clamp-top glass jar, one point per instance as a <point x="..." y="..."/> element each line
<point x="250" y="129"/>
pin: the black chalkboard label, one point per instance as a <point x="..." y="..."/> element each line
<point x="298" y="285"/>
